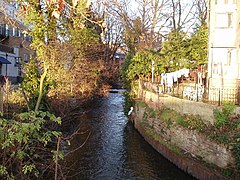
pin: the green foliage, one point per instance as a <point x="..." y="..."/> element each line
<point x="29" y="168"/>
<point x="141" y="104"/>
<point x="31" y="77"/>
<point x="228" y="173"/>
<point x="197" y="50"/>
<point x="124" y="69"/>
<point x="3" y="171"/>
<point x="57" y="155"/>
<point x="134" y="89"/>
<point x="238" y="126"/>
<point x="190" y="122"/>
<point x="62" y="47"/>
<point x="82" y="38"/>
<point x="172" y="117"/>
<point x="166" y="116"/>
<point x="66" y="48"/>
<point x="237" y="154"/>
<point x="182" y="122"/>
<point x="174" y="51"/>
<point x="181" y="51"/>
<point x="221" y="116"/>
<point x="151" y="112"/>
<point x="195" y="122"/>
<point x="30" y="85"/>
<point x="178" y="51"/>
<point x="141" y="65"/>
<point x="236" y="150"/>
<point x="132" y="34"/>
<point x="221" y="119"/>
<point x="22" y="142"/>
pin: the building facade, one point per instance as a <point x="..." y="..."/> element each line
<point x="224" y="44"/>
<point x="14" y="44"/>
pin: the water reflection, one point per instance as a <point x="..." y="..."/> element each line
<point x="114" y="149"/>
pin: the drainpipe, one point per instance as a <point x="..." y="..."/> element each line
<point x="209" y="54"/>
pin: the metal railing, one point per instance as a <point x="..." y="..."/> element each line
<point x="216" y="96"/>
<point x="220" y="95"/>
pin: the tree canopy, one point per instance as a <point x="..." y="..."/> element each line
<point x="183" y="39"/>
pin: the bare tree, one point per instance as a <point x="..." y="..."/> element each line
<point x="200" y="11"/>
<point x="181" y="15"/>
<point x="111" y="26"/>
<point x="154" y="16"/>
<point x="157" y="17"/>
<point x="187" y="14"/>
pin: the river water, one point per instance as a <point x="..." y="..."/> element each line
<point x="112" y="149"/>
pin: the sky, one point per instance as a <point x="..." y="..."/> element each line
<point x="185" y="4"/>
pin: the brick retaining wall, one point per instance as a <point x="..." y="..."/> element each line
<point x="188" y="165"/>
<point x="190" y="142"/>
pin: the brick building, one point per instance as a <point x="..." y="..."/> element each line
<point x="14" y="44"/>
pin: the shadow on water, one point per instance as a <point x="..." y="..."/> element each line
<point x="114" y="149"/>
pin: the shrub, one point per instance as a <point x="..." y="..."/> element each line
<point x="221" y="116"/>
<point x="24" y="144"/>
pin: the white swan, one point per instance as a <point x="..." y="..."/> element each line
<point x="131" y="110"/>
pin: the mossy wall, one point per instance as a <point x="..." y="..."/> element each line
<point x="184" y="147"/>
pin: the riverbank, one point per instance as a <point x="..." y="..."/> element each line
<point x="185" y="163"/>
<point x="185" y="132"/>
<point x="182" y="159"/>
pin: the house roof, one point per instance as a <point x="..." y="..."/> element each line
<point x="4" y="61"/>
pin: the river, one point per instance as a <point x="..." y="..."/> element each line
<point x="112" y="149"/>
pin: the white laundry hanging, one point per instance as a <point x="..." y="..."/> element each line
<point x="170" y="79"/>
<point x="199" y="78"/>
<point x="175" y="76"/>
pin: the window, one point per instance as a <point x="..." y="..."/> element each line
<point x="10" y="29"/>
<point x="2" y="29"/>
<point x="7" y="30"/>
<point x="17" y="60"/>
<point x="229" y="57"/>
<point x="19" y="33"/>
<point x="15" y="31"/>
<point x="225" y="2"/>
<point x="224" y="20"/>
<point x="217" y="69"/>
<point x="19" y="71"/>
<point x="25" y="58"/>
<point x="229" y="19"/>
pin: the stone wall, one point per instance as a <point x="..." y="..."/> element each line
<point x="195" y="146"/>
<point x="182" y="106"/>
<point x="149" y="94"/>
